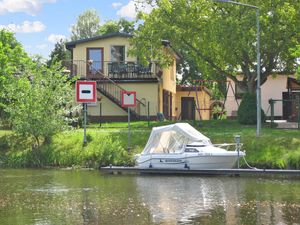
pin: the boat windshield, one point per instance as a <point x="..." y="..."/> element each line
<point x="168" y="142"/>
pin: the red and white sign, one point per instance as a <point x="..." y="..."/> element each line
<point x="128" y="98"/>
<point x="86" y="91"/>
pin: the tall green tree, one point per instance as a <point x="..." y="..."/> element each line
<point x="114" y="26"/>
<point x="59" y="53"/>
<point x="220" y="38"/>
<point x="38" y="100"/>
<point x="13" y="59"/>
<point x="12" y="55"/>
<point x="296" y="53"/>
<point x="110" y="26"/>
<point x="126" y="26"/>
<point x="86" y="26"/>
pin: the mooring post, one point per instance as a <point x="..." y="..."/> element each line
<point x="238" y="145"/>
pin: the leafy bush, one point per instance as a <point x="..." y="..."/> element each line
<point x="106" y="152"/>
<point x="37" y="107"/>
<point x="247" y="111"/>
<point x="294" y="160"/>
<point x="65" y="150"/>
<point x="294" y="155"/>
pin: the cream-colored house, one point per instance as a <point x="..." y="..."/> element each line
<point x="105" y="59"/>
<point x="277" y="87"/>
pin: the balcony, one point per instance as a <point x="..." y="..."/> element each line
<point x="114" y="70"/>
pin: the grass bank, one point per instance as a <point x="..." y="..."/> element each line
<point x="108" y="145"/>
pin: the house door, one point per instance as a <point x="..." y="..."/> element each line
<point x="187" y="108"/>
<point x="94" y="61"/>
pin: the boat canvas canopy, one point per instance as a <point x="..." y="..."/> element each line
<point x="172" y="138"/>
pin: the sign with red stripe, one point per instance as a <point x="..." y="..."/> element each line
<point x="86" y="91"/>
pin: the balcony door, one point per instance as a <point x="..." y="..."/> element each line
<point x="94" y="61"/>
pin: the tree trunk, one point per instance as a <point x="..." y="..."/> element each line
<point x="247" y="84"/>
<point x="251" y="86"/>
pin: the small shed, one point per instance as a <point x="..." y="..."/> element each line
<point x="192" y="102"/>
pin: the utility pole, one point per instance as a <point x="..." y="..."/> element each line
<point x="258" y="89"/>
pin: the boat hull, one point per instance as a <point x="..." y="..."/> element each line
<point x="189" y="161"/>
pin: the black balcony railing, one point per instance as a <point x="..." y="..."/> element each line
<point x="113" y="70"/>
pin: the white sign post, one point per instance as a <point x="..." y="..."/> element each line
<point x="85" y="93"/>
<point x="128" y="100"/>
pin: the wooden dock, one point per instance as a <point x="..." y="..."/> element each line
<point x="229" y="172"/>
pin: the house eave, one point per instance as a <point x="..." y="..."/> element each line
<point x="70" y="45"/>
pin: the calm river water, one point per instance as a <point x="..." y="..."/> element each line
<point x="60" y="197"/>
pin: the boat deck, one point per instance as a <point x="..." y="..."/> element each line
<point x="229" y="172"/>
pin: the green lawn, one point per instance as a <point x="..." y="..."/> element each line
<point x="276" y="148"/>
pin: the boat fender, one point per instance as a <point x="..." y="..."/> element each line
<point x="186" y="166"/>
<point x="150" y="165"/>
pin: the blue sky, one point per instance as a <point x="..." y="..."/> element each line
<point x="39" y="24"/>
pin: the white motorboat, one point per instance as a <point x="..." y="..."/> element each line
<point x="181" y="146"/>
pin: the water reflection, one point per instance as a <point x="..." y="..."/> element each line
<point x="220" y="200"/>
<point x="68" y="197"/>
<point x="88" y="197"/>
<point x="181" y="199"/>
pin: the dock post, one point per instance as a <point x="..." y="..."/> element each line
<point x="238" y="146"/>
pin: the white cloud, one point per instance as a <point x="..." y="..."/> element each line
<point x="41" y="46"/>
<point x="130" y="10"/>
<point x="127" y="10"/>
<point x="116" y="5"/>
<point x="54" y="38"/>
<point x="25" y="27"/>
<point x="31" y="7"/>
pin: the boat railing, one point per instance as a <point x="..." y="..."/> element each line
<point x="228" y="146"/>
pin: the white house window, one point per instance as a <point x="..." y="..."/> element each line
<point x="117" y="53"/>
